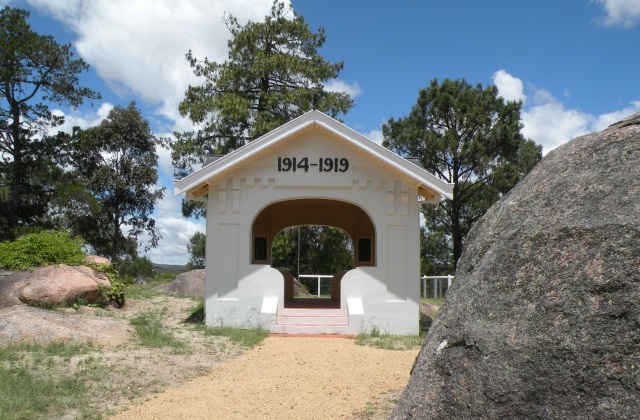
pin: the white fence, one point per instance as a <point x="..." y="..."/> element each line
<point x="438" y="289"/>
<point x="315" y="276"/>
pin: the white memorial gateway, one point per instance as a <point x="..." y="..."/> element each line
<point x="313" y="171"/>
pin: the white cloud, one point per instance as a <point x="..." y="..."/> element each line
<point x="175" y="231"/>
<point x="140" y="46"/>
<point x="547" y="121"/>
<point x="509" y="87"/>
<point x="625" y="13"/>
<point x="336" y="85"/>
<point x="375" y="136"/>
<point x="82" y="120"/>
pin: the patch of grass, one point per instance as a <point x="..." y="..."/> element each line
<point x="152" y="333"/>
<point x="26" y="393"/>
<point x="433" y="301"/>
<point x="197" y="313"/>
<point x="58" y="348"/>
<point x="246" y="337"/>
<point x="390" y="342"/>
<point x="145" y="291"/>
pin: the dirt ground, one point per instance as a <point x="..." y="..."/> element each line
<point x="288" y="378"/>
<point x="212" y="377"/>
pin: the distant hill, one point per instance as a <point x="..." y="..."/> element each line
<point x="163" y="268"/>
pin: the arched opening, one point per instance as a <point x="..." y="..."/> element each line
<point x="314" y="217"/>
<point x="313" y="254"/>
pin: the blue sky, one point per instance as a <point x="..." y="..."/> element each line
<point x="573" y="63"/>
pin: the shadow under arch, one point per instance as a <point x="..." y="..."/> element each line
<point x="314" y="211"/>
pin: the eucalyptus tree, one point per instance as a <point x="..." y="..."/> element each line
<point x="469" y="136"/>
<point x="118" y="166"/>
<point x="35" y="71"/>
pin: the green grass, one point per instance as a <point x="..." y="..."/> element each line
<point x="246" y="337"/>
<point x="25" y="393"/>
<point x="432" y="301"/>
<point x="152" y="333"/>
<point x="145" y="291"/>
<point x="390" y="342"/>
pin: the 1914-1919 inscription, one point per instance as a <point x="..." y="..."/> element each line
<point x="323" y="164"/>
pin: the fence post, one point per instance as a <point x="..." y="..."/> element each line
<point x="424" y="287"/>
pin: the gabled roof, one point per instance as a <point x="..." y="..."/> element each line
<point x="241" y="156"/>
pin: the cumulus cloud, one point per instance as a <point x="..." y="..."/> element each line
<point x="509" y="87"/>
<point x="375" y="136"/>
<point x="546" y="120"/>
<point x="140" y="46"/>
<point x="82" y="120"/>
<point x="625" y="13"/>
<point x="175" y="231"/>
<point x="337" y="85"/>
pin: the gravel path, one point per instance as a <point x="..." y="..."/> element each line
<point x="285" y="378"/>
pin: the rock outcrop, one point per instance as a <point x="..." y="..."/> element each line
<point x="543" y="319"/>
<point x="61" y="284"/>
<point x="24" y="324"/>
<point x="190" y="283"/>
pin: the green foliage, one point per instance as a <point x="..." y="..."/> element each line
<point x="468" y="136"/>
<point x="115" y="295"/>
<point x="134" y="267"/>
<point x="41" y="249"/>
<point x="196" y="247"/>
<point x="323" y="250"/>
<point x="36" y="71"/>
<point x="273" y="75"/>
<point x="117" y="164"/>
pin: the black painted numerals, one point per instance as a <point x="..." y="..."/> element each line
<point x="324" y="164"/>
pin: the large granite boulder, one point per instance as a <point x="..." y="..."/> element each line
<point x="61" y="284"/>
<point x="543" y="319"/>
<point x="190" y="283"/>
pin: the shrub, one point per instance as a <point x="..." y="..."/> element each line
<point x="140" y="267"/>
<point x="41" y="249"/>
<point x="115" y="294"/>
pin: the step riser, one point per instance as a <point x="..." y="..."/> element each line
<point x="296" y="320"/>
<point x="329" y="330"/>
<point x="306" y="312"/>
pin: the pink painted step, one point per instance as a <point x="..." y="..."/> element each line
<point x="312" y="317"/>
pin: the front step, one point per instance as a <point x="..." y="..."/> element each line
<point x="312" y="316"/>
<point x="312" y="321"/>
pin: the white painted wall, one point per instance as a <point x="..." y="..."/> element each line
<point x="235" y="289"/>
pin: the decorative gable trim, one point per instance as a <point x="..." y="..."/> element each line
<point x="195" y="184"/>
